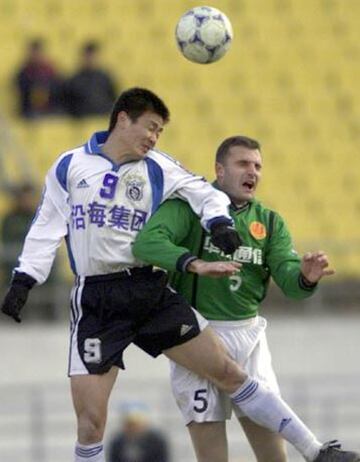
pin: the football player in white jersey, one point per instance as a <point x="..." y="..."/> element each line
<point x="98" y="196"/>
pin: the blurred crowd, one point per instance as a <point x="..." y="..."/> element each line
<point x="137" y="439"/>
<point x="42" y="90"/>
<point x="44" y="303"/>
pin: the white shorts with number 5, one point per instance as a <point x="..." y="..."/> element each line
<point x="198" y="399"/>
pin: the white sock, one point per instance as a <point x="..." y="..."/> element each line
<point x="89" y="452"/>
<point x="267" y="409"/>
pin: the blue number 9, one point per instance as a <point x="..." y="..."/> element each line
<point x="109" y="183"/>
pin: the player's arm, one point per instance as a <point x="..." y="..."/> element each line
<point x="286" y="265"/>
<point x="208" y="203"/>
<point x="44" y="237"/>
<point x="160" y="242"/>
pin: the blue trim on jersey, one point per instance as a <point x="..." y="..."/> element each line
<point x="97" y="138"/>
<point x="156" y="178"/>
<point x="92" y="147"/>
<point x="70" y="254"/>
<point x="62" y="170"/>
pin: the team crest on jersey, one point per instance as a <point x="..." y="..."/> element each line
<point x="135" y="188"/>
<point x="257" y="230"/>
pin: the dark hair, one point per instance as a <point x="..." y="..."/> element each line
<point x="223" y="150"/>
<point x="36" y="44"/>
<point x="135" y="102"/>
<point x="90" y="47"/>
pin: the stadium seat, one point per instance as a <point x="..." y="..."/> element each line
<point x="289" y="80"/>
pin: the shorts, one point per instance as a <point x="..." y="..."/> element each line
<point x="108" y="312"/>
<point x="198" y="399"/>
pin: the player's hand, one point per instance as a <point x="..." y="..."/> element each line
<point x="314" y="266"/>
<point x="225" y="236"/>
<point x="17" y="295"/>
<point x="215" y="269"/>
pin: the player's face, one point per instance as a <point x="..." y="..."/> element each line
<point x="140" y="135"/>
<point x="240" y="173"/>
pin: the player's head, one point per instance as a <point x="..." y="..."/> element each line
<point x="137" y="119"/>
<point x="238" y="168"/>
<point x="135" y="102"/>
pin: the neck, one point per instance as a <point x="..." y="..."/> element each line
<point x="117" y="151"/>
<point x="239" y="205"/>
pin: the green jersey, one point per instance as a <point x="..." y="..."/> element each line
<point x="174" y="232"/>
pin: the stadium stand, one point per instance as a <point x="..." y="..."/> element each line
<point x="289" y="80"/>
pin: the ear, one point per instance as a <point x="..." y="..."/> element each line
<point x="123" y="120"/>
<point x="219" y="170"/>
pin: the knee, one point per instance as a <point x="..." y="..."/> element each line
<point x="91" y="427"/>
<point x="229" y="377"/>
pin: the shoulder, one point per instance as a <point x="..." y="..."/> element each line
<point x="70" y="155"/>
<point x="166" y="161"/>
<point x="262" y="216"/>
<point x="62" y="165"/>
<point x="161" y="156"/>
<point x="262" y="210"/>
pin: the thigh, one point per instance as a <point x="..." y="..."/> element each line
<point x="259" y="365"/>
<point x="197" y="398"/>
<point x="100" y="327"/>
<point x="171" y="322"/>
<point x="267" y="445"/>
<point x="90" y="393"/>
<point x="207" y="356"/>
<point x="209" y="441"/>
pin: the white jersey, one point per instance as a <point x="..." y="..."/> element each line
<point x="99" y="207"/>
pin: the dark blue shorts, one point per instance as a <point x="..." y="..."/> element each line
<point x="108" y="312"/>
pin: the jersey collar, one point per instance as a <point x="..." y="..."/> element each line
<point x="232" y="205"/>
<point x="97" y="139"/>
<point x="94" y="146"/>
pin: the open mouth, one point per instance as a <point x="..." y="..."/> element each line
<point x="249" y="186"/>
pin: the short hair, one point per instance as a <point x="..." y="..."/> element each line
<point x="223" y="150"/>
<point x="36" y="45"/>
<point x="135" y="102"/>
<point x="90" y="47"/>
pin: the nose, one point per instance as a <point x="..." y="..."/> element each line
<point x="252" y="170"/>
<point x="153" y="137"/>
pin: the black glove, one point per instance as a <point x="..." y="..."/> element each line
<point x="225" y="236"/>
<point x="17" y="295"/>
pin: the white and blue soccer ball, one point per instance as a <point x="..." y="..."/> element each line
<point x="204" y="34"/>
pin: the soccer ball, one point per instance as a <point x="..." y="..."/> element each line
<point x="203" y="34"/>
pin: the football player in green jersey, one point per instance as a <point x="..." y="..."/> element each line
<point x="173" y="239"/>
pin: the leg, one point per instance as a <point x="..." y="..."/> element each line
<point x="209" y="441"/>
<point x="206" y="356"/>
<point x="90" y="394"/>
<point x="267" y="445"/>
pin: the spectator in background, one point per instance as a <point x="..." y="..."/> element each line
<point x="14" y="227"/>
<point x="138" y="440"/>
<point x="91" y="90"/>
<point x="38" y="83"/>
